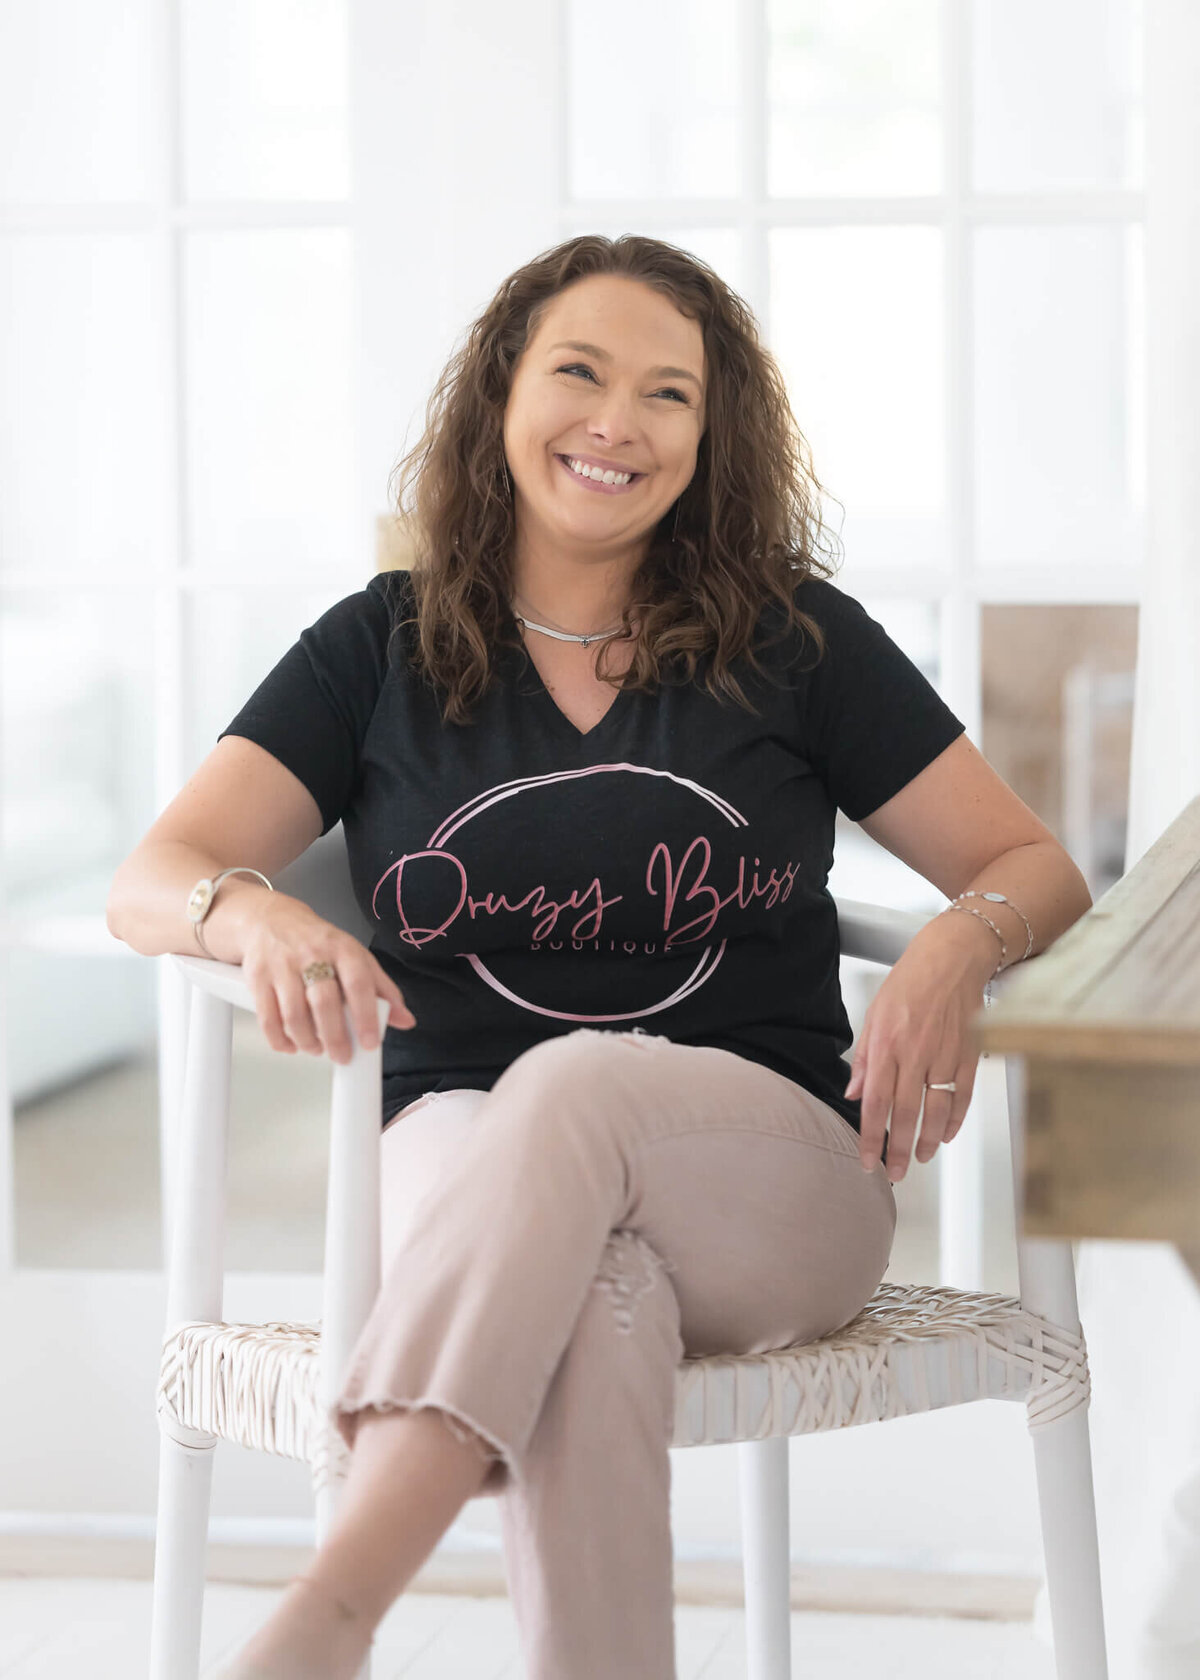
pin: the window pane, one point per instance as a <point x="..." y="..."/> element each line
<point x="265" y="99"/>
<point x="1056" y="94"/>
<point x="270" y="420"/>
<point x="854" y="97"/>
<point x="80" y="1034"/>
<point x="1058" y="720"/>
<point x="651" y="99"/>
<point x="856" y="324"/>
<point x="77" y="725"/>
<point x="85" y="466"/>
<point x="235" y="639"/>
<point x="86" y="1143"/>
<point x="1057" y="388"/>
<point x="79" y="96"/>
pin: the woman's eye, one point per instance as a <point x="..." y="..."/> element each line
<point x="581" y="367"/>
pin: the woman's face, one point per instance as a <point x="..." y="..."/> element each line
<point x="633" y="400"/>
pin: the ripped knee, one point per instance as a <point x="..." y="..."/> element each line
<point x="635" y="1035"/>
<point x="629" y="1268"/>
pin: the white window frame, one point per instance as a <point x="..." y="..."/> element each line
<point x="959" y="592"/>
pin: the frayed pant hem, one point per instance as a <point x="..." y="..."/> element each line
<point x="502" y="1465"/>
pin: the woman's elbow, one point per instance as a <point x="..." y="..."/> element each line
<point x="122" y="905"/>
<point x="1078" y="892"/>
<point x="115" y="907"/>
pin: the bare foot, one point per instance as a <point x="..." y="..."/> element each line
<point x="308" y="1636"/>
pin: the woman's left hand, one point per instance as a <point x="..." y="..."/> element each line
<point x="916" y="1032"/>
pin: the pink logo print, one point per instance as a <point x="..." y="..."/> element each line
<point x="686" y="889"/>
<point x="699" y="889"/>
<point x="421" y="936"/>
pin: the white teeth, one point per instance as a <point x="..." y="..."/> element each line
<point x="595" y="472"/>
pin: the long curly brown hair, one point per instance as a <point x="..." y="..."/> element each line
<point x="745" y="530"/>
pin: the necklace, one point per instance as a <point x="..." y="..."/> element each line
<point x="565" y="635"/>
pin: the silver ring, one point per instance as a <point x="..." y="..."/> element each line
<point x="947" y="1085"/>
<point x="318" y="971"/>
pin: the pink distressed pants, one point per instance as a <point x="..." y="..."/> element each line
<point x="552" y="1248"/>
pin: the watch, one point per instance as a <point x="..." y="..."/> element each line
<point x="200" y="899"/>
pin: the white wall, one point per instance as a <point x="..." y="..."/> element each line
<point x="440" y="216"/>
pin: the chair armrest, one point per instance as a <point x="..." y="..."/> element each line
<point x="877" y="933"/>
<point x="219" y="979"/>
<point x="352" y="1237"/>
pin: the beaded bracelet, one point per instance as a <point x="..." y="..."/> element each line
<point x="995" y="898"/>
<point x="999" y="898"/>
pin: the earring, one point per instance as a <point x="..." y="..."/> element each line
<point x="675" y="527"/>
<point x="504" y="479"/>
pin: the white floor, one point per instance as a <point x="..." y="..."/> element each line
<point x="64" y="1629"/>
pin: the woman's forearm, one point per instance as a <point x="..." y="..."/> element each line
<point x="147" y="902"/>
<point x="1040" y="879"/>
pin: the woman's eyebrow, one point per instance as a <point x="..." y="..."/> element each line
<point x="603" y="355"/>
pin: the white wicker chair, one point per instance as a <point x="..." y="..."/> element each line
<point x="910" y="1350"/>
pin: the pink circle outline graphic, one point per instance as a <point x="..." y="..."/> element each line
<point x="708" y="960"/>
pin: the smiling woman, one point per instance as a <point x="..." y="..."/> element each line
<point x="574" y="562"/>
<point x="622" y="356"/>
<point x="599" y="475"/>
<point x="605" y="896"/>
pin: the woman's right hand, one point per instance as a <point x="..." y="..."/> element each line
<point x="280" y="940"/>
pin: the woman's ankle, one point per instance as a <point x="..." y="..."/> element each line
<point x="313" y="1634"/>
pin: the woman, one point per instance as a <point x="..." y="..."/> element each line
<point x="588" y="757"/>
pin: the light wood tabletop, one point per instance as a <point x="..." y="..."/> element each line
<point x="1107" y="1023"/>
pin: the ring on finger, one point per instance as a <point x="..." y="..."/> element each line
<point x="941" y="1085"/>
<point x="317" y="971"/>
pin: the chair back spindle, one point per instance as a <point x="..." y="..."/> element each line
<point x="196" y="1289"/>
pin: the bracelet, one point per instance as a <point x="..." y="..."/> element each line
<point x="999" y="898"/>
<point x="200" y="899"/>
<point x="995" y="898"/>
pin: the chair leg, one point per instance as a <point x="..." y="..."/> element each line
<point x="1066" y="1497"/>
<point x="766" y="1557"/>
<point x="180" y="1544"/>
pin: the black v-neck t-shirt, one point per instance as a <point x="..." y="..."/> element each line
<point x="665" y="869"/>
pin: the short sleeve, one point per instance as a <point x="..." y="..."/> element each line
<point x="871" y="719"/>
<point x="312" y="711"/>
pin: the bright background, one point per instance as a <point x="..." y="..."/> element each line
<point x="238" y="242"/>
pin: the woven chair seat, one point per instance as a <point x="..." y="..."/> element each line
<point x="910" y="1350"/>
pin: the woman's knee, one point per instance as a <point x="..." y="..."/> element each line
<point x="585" y="1065"/>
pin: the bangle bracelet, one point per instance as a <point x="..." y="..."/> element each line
<point x="200" y="899"/>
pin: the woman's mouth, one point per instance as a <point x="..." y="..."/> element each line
<point x="596" y="484"/>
